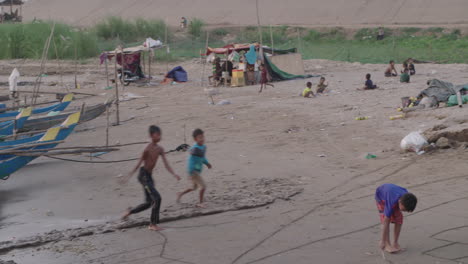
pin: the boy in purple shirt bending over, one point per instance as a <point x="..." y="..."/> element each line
<point x="391" y="201"/>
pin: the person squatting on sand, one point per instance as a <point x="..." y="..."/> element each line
<point x="405" y="74"/>
<point x="149" y="158"/>
<point x="321" y="86"/>
<point x="391" y="71"/>
<point x="391" y="200"/>
<point x="307" y="93"/>
<point x="195" y="164"/>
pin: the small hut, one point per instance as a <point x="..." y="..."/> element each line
<point x="14" y="13"/>
<point x="281" y="64"/>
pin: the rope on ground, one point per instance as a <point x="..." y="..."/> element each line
<point x="182" y="147"/>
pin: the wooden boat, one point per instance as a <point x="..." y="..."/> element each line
<point x="41" y="110"/>
<point x="24" y="138"/>
<point x="12" y="163"/>
<point x="9" y="127"/>
<point x="45" y="122"/>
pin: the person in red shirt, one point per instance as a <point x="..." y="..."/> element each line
<point x="264" y="78"/>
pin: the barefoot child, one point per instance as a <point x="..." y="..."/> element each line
<point x="321" y="86"/>
<point x="405" y="74"/>
<point x="391" y="71"/>
<point x="264" y="78"/>
<point x="307" y="93"/>
<point x="391" y="201"/>
<point x="149" y="158"/>
<point x="369" y="85"/>
<point x="195" y="166"/>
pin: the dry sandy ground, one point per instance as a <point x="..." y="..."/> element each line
<point x="304" y="158"/>
<point x="243" y="12"/>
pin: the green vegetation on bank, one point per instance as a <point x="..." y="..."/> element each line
<point x="430" y="44"/>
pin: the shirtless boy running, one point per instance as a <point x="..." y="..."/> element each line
<point x="149" y="158"/>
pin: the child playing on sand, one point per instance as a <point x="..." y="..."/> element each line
<point x="149" y="158"/>
<point x="405" y="76"/>
<point x="391" y="71"/>
<point x="321" y="86"/>
<point x="391" y="201"/>
<point x="412" y="69"/>
<point x="264" y="78"/>
<point x="195" y="166"/>
<point x="307" y="93"/>
<point x="369" y="85"/>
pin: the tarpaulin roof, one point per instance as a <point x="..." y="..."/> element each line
<point x="230" y="48"/>
<point x="245" y="47"/>
<point x="130" y="50"/>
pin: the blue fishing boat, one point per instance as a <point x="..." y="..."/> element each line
<point x="8" y="127"/>
<point x="49" y="140"/>
<point x="55" y="107"/>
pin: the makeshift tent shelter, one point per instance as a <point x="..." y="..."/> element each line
<point x="276" y="73"/>
<point x="12" y="16"/>
<point x="441" y="90"/>
<point x="128" y="58"/>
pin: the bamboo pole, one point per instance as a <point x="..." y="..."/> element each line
<point x="117" y="100"/>
<point x="150" y="55"/>
<point x="107" y="126"/>
<point x="107" y="71"/>
<point x="29" y="145"/>
<point x="204" y="63"/>
<point x="272" y="42"/>
<point x="299" y="42"/>
<point x="56" y="93"/>
<point x="18" y="150"/>
<point x="167" y="44"/>
<point x="58" y="63"/>
<point x="122" y="61"/>
<point x="259" y="31"/>
<point x="76" y="66"/>
<point x="45" y="52"/>
<point x="51" y="152"/>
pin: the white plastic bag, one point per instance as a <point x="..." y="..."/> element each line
<point x="13" y="80"/>
<point x="414" y="141"/>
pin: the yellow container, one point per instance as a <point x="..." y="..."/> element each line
<point x="237" y="78"/>
<point x="397" y="117"/>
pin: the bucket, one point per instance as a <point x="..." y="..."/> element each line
<point x="405" y="101"/>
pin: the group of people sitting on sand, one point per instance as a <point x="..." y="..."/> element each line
<point x="408" y="70"/>
<point x="321" y="86"/>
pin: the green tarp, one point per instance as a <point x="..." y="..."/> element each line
<point x="279" y="75"/>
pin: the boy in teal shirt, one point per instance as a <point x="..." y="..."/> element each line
<point x="195" y="166"/>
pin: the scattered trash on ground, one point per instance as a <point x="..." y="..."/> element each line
<point x="224" y="102"/>
<point x="414" y="141"/>
<point x="361" y="118"/>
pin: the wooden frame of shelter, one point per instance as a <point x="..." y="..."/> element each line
<point x="16" y="16"/>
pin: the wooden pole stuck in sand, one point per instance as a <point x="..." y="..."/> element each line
<point x="76" y="66"/>
<point x="167" y="46"/>
<point x="204" y="64"/>
<point x="272" y="43"/>
<point x="45" y="52"/>
<point x="107" y="126"/>
<point x="259" y="31"/>
<point x="117" y="100"/>
<point x="107" y="71"/>
<point x="149" y="65"/>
